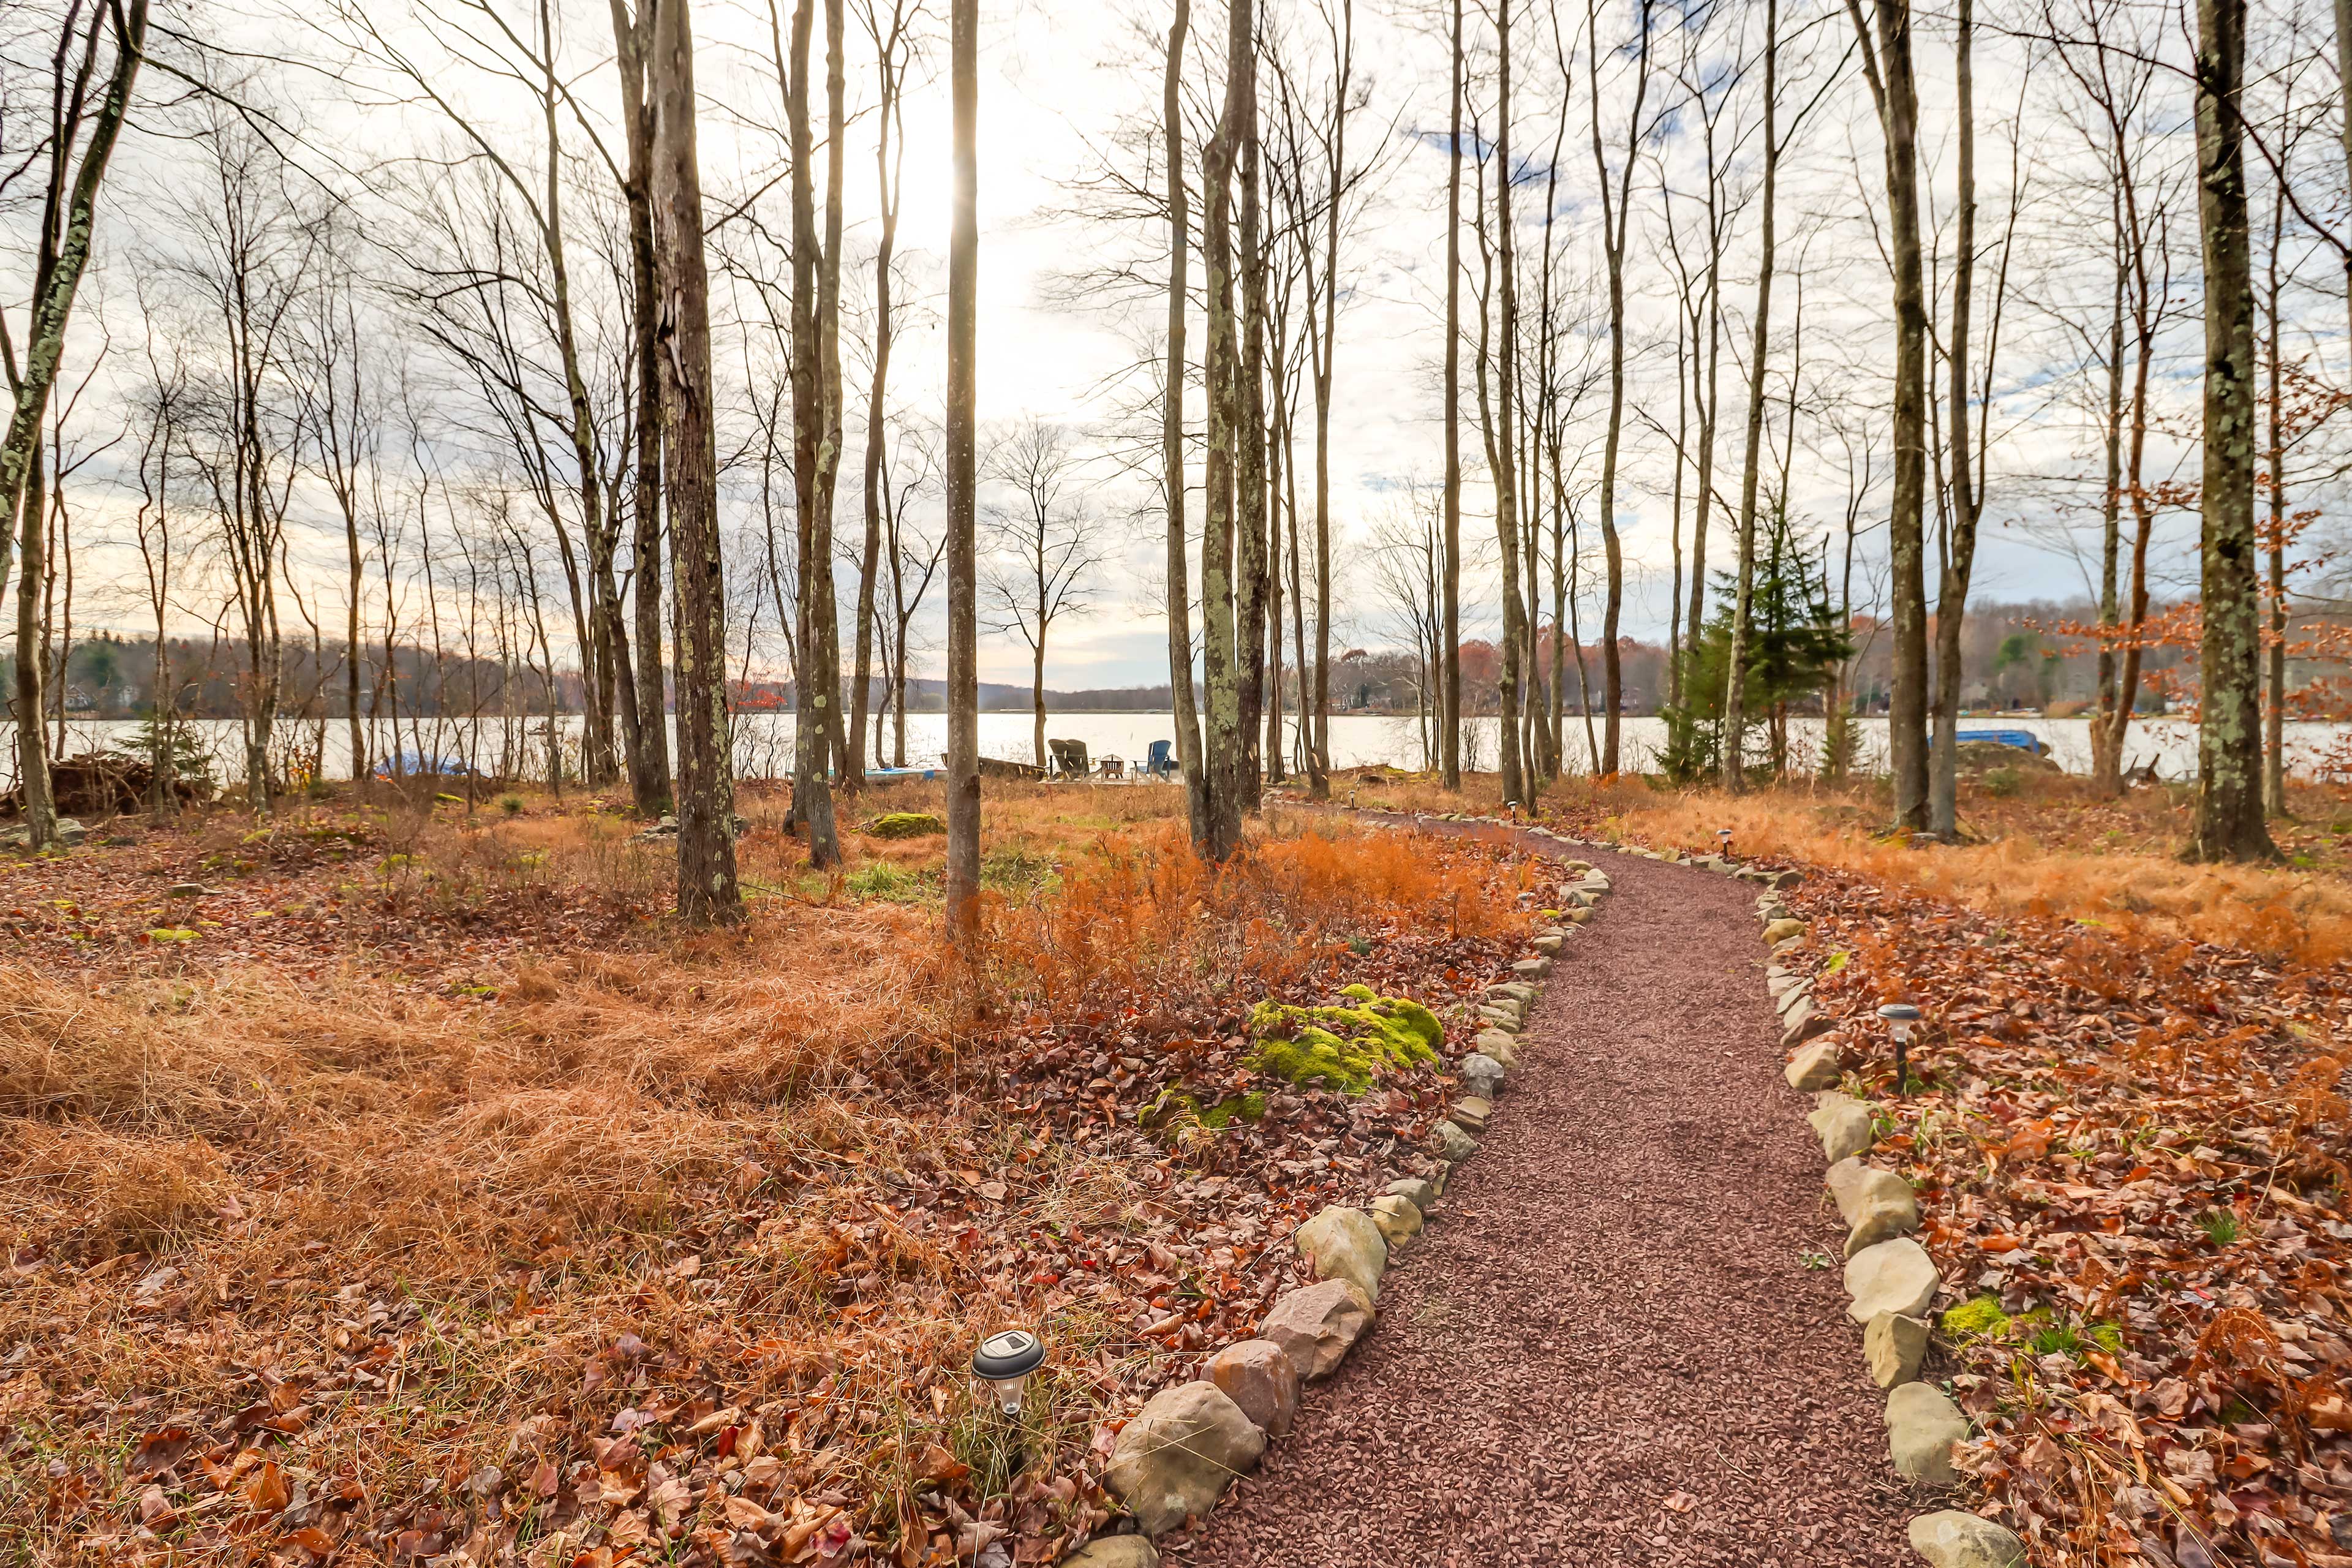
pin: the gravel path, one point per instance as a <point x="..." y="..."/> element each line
<point x="1606" y="1349"/>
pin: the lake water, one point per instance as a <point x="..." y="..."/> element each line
<point x="763" y="741"/>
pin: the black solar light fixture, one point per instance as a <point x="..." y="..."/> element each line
<point x="1722" y="836"/>
<point x="1004" y="1359"/>
<point x="1900" y="1016"/>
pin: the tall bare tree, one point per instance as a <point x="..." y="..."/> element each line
<point x="1189" y="755"/>
<point x="963" y="354"/>
<point x="95" y="66"/>
<point x="709" y="892"/>
<point x="1450" y="684"/>
<point x="2228" y="824"/>
<point x="1045" y="550"/>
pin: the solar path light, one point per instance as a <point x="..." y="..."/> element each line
<point x="1004" y="1359"/>
<point x="1722" y="836"/>
<point x="1900" y="1016"/>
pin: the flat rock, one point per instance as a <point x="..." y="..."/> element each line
<point x="1176" y="1457"/>
<point x="1499" y="1019"/>
<point x="1896" y="1276"/>
<point x="1470" y="1114"/>
<point x="1800" y="1024"/>
<point x="1421" y="1194"/>
<point x="1259" y="1376"/>
<point x="1782" y="931"/>
<point x="1499" y="1045"/>
<point x="1815" y="1067"/>
<point x="1843" y="1125"/>
<point x="1481" y="1074"/>
<point x="1791" y="992"/>
<point x="1888" y="1210"/>
<point x="1115" y="1551"/>
<point x="1512" y="989"/>
<point x="1317" y="1324"/>
<point x="1398" y="1219"/>
<point x="1922" y="1424"/>
<point x="1533" y="968"/>
<point x="1452" y="1144"/>
<point x="1343" y="1243"/>
<point x="1856" y="1188"/>
<point x="1548" y="944"/>
<point x="1892" y="1347"/>
<point x="1951" y="1539"/>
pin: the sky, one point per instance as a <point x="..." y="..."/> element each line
<point x="1060" y="81"/>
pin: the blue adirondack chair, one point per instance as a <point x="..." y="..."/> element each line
<point x="1158" y="764"/>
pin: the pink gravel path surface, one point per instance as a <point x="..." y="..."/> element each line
<point x="1607" y="1348"/>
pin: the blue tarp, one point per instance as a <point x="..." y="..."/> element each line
<point x="424" y="764"/>
<point x="2024" y="739"/>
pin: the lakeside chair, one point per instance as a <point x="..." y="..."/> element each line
<point x="1069" y="759"/>
<point x="1158" y="764"/>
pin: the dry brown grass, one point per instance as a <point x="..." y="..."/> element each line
<point x="2046" y="847"/>
<point x="518" y="1170"/>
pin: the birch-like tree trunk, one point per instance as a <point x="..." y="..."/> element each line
<point x="961" y="473"/>
<point x="1731" y="736"/>
<point x="1450" y="710"/>
<point x="1171" y="440"/>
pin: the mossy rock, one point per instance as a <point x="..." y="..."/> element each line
<point x="1344" y="1047"/>
<point x="903" y="824"/>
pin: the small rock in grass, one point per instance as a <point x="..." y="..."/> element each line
<point x="1315" y="1324"/>
<point x="1922" y="1424"/>
<point x="1471" y="1115"/>
<point x="1893" y="1346"/>
<point x="1452" y="1144"/>
<point x="1114" y="1551"/>
<point x="1498" y="1044"/>
<point x="1343" y="1243"/>
<point x="1481" y="1074"/>
<point x="1951" y="1539"/>
<point x="1399" y="1221"/>
<point x="1175" y="1457"/>
<point x="1421" y="1194"/>
<point x="1783" y="931"/>
<point x="1259" y="1376"/>
<point x="1896" y="1276"/>
<point x="1845" y="1126"/>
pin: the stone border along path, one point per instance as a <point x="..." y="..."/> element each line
<point x="1620" y="1345"/>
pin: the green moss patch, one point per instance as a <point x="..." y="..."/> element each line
<point x="1177" y="1108"/>
<point x="903" y="824"/>
<point x="1976" y="1320"/>
<point x="1344" y="1046"/>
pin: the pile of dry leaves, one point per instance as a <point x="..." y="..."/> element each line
<point x="2130" y="1156"/>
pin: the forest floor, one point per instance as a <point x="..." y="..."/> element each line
<point x="2127" y="1126"/>
<point x="390" y="1182"/>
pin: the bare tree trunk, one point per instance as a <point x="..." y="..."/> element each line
<point x="647" y="742"/>
<point x="1887" y="63"/>
<point x="1732" y="734"/>
<point x="2229" y="819"/>
<point x="707" y="893"/>
<point x="1171" y="441"/>
<point x="889" y="68"/>
<point x="1502" y="441"/>
<point x="68" y="217"/>
<point x="1616" y="218"/>
<point x="1959" y="553"/>
<point x="963" y="575"/>
<point x="2106" y="738"/>
<point x="1250" y="507"/>
<point x="1450" y="721"/>
<point x="1227" y="737"/>
<point x="2274" y="712"/>
<point x="1319" y="750"/>
<point x="814" y="694"/>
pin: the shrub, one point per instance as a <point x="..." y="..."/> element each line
<point x="511" y="805"/>
<point x="903" y="824"/>
<point x="2003" y="783"/>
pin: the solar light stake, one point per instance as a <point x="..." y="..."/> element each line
<point x="1723" y="835"/>
<point x="1900" y="1016"/>
<point x="1004" y="1359"/>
